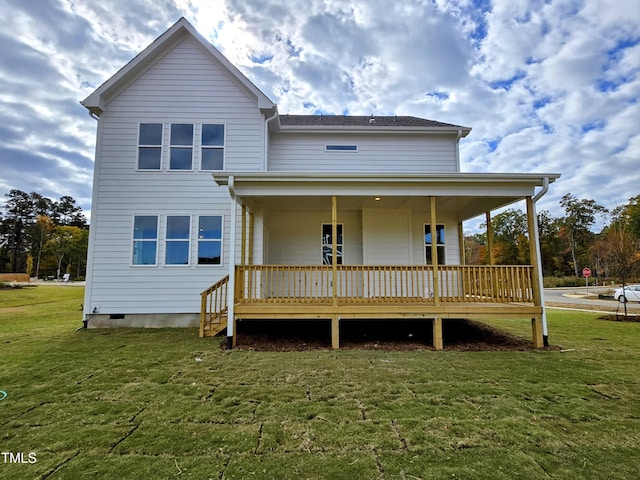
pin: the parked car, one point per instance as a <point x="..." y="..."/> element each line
<point x="631" y="294"/>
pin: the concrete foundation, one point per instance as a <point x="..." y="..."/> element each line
<point x="146" y="320"/>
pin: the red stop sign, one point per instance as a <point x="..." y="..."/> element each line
<point x="586" y="271"/>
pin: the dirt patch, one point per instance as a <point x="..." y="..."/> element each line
<point x="11" y="310"/>
<point x="458" y="335"/>
<point x="620" y="317"/>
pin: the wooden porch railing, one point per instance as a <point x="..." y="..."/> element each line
<point x="213" y="311"/>
<point x="358" y="284"/>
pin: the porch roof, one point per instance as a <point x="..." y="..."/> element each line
<point x="465" y="194"/>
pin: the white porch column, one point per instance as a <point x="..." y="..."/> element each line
<point x="231" y="287"/>
<point x="536" y="261"/>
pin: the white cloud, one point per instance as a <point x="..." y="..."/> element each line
<point x="546" y="86"/>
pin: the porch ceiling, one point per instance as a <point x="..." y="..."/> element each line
<point x="462" y="208"/>
<point x="461" y="195"/>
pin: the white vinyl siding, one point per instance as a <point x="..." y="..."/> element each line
<point x="297" y="152"/>
<point x="164" y="94"/>
<point x="386" y="236"/>
<point x="294" y="236"/>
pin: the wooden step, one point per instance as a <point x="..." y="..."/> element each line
<point x="215" y="326"/>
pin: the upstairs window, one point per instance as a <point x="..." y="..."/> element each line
<point x="177" y="240"/>
<point x="145" y="240"/>
<point x="181" y="149"/>
<point x="150" y="146"/>
<point x="327" y="244"/>
<point x="432" y="241"/>
<point x="210" y="240"/>
<point x="212" y="145"/>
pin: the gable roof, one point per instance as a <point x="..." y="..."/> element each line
<point x="396" y="122"/>
<point x="95" y="102"/>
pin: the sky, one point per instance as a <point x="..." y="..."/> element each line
<point x="548" y="86"/>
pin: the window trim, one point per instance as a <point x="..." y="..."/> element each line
<point x="139" y="146"/>
<point x="183" y="240"/>
<point x="222" y="147"/>
<point x="438" y="245"/>
<point x="134" y="240"/>
<point x="197" y="238"/>
<point x="339" y="148"/>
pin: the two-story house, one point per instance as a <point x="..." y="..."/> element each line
<point x="210" y="207"/>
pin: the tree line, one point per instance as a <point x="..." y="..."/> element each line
<point x="42" y="237"/>
<point x="567" y="243"/>
<point x="45" y="238"/>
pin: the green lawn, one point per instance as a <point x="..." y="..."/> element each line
<point x="161" y="404"/>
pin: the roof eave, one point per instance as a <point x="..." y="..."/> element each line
<point x="461" y="131"/>
<point x="536" y="179"/>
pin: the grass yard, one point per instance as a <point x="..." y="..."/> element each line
<point x="164" y="404"/>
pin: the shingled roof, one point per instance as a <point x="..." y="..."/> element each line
<point x="361" y="121"/>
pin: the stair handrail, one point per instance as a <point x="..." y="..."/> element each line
<point x="213" y="302"/>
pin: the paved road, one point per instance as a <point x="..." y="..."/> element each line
<point x="576" y="297"/>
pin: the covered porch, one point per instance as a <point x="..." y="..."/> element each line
<point x="419" y="278"/>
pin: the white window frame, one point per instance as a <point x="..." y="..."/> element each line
<point x="156" y="240"/>
<point x="437" y="245"/>
<point x="198" y="240"/>
<point x="222" y="147"/>
<point x="186" y="240"/>
<point x="161" y="146"/>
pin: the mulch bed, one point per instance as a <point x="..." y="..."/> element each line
<point x="459" y="335"/>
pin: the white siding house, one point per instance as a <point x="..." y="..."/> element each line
<point x="200" y="181"/>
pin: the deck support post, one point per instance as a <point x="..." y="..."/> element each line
<point x="437" y="334"/>
<point x="536" y="329"/>
<point x="335" y="332"/>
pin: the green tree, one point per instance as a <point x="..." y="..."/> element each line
<point x="18" y="217"/>
<point x="41" y="231"/>
<point x="475" y="249"/>
<point x="65" y="243"/>
<point x="510" y="238"/>
<point x="580" y="215"/>
<point x="629" y="215"/>
<point x="550" y="245"/>
<point x="67" y="212"/>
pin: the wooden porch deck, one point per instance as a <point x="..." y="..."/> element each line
<point x="269" y="292"/>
